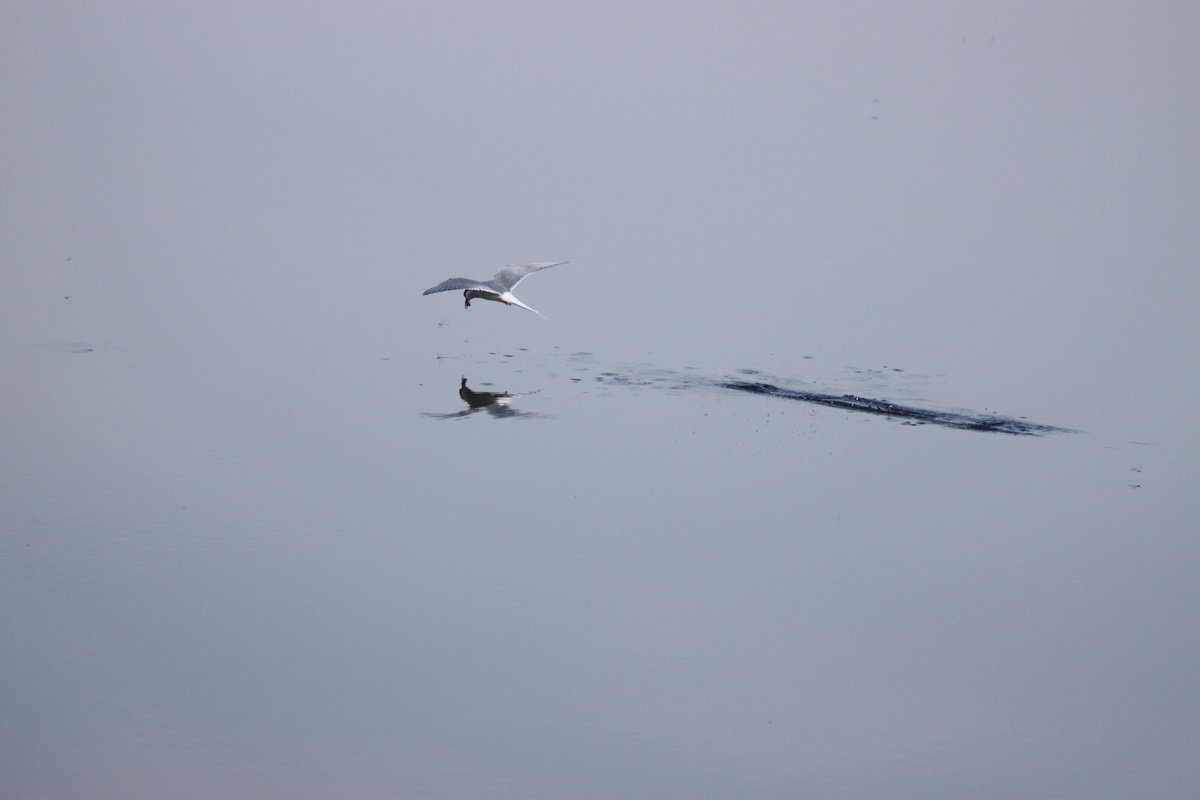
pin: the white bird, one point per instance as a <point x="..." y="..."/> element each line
<point x="499" y="288"/>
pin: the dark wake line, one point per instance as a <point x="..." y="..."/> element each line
<point x="911" y="414"/>
<point x="645" y="376"/>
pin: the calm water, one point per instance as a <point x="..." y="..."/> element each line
<point x="858" y="456"/>
<point x="269" y="573"/>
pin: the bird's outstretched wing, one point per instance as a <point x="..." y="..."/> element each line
<point x="508" y="277"/>
<point x="458" y="283"/>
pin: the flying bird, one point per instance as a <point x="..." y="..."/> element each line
<point x="499" y="288"/>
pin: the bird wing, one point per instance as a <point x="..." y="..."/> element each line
<point x="458" y="283"/>
<point x="508" y="277"/>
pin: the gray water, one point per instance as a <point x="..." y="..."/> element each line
<point x="734" y="534"/>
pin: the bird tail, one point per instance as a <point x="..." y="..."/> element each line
<point x="517" y="302"/>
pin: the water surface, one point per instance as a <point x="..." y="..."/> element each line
<point x="857" y="457"/>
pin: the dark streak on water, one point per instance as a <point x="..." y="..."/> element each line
<point x="754" y="382"/>
<point x="910" y="414"/>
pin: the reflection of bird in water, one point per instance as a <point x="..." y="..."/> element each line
<point x="482" y="399"/>
<point x="496" y="404"/>
<point x="499" y="288"/>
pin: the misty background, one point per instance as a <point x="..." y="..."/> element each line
<point x="246" y="553"/>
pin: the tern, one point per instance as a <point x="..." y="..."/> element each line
<point x="499" y="288"/>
